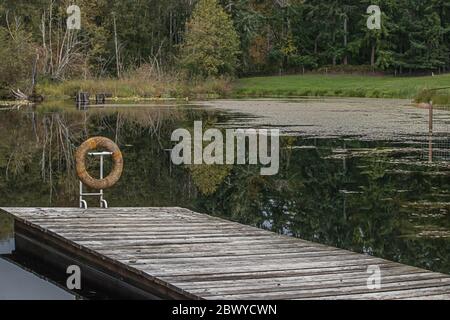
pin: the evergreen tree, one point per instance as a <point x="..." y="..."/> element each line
<point x="270" y="35"/>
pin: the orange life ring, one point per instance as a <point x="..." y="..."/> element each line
<point x="85" y="177"/>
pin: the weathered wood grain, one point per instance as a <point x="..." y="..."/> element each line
<point x="192" y="255"/>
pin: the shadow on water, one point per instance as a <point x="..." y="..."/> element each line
<point x="379" y="198"/>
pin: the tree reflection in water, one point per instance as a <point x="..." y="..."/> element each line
<point x="350" y="197"/>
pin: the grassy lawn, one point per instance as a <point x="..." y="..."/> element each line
<point x="339" y="85"/>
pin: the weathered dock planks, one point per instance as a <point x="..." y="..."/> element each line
<point x="174" y="253"/>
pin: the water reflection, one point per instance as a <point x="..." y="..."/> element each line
<point x="371" y="197"/>
<point x="17" y="284"/>
<point x="7" y="244"/>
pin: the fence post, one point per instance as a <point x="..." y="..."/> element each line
<point x="430" y="142"/>
<point x="431" y="116"/>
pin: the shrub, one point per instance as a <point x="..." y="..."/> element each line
<point x="16" y="61"/>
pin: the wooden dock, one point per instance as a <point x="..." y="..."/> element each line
<point x="174" y="253"/>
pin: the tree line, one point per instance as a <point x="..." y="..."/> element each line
<point x="248" y="36"/>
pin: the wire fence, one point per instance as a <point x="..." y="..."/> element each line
<point x="436" y="142"/>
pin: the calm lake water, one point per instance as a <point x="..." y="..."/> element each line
<point x="370" y="196"/>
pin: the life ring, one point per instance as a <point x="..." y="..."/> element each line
<point x="85" y="177"/>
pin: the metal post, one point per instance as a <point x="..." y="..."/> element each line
<point x="83" y="203"/>
<point x="103" y="202"/>
<point x="430" y="138"/>
<point x="430" y="148"/>
<point x="430" y="117"/>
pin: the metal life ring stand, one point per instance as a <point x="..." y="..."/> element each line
<point x="88" y="148"/>
<point x="103" y="202"/>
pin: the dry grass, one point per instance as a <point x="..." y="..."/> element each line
<point x="140" y="84"/>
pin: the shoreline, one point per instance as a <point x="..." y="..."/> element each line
<point x="418" y="89"/>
